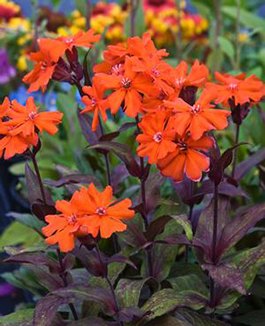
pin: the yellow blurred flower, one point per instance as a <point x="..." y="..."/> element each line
<point x="243" y="37"/>
<point x="20" y="24"/>
<point x="22" y="63"/>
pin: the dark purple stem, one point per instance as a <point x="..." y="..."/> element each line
<point x="235" y="150"/>
<point x="214" y="241"/>
<point x="116" y="304"/>
<point x="63" y="276"/>
<point x="37" y="170"/>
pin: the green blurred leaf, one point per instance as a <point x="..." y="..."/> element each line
<point x="28" y="220"/>
<point x="227" y="47"/>
<point x="139" y="21"/>
<point x="18" y="234"/>
<point x="18" y="318"/>
<point x="185" y="223"/>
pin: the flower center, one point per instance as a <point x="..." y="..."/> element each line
<point x="43" y="65"/>
<point x="182" y="146"/>
<point x="32" y="115"/>
<point x="158" y="137"/>
<point x="126" y="82"/>
<point x="155" y="72"/>
<point x="101" y="211"/>
<point x="117" y="69"/>
<point x="232" y="87"/>
<point x="68" y="40"/>
<point x="72" y="219"/>
<point x="180" y="81"/>
<point x="93" y="102"/>
<point x="195" y="108"/>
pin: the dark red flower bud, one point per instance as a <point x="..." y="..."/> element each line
<point x="188" y="94"/>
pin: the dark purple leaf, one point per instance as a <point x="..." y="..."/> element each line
<point x="131" y="314"/>
<point x="133" y="235"/>
<point x="156" y="227"/>
<point x="118" y="175"/>
<point x="216" y="173"/>
<point x="85" y="121"/>
<point x="187" y="190"/>
<point x="91" y="321"/>
<point x="204" y="232"/>
<point x="152" y="187"/>
<point x="245" y="166"/>
<point x="226" y="275"/>
<point x="41" y="210"/>
<point x="124" y="154"/>
<point x="86" y="70"/>
<point x="120" y="259"/>
<point x="239" y="226"/>
<point x="73" y="179"/>
<point x="89" y="293"/>
<point x="224" y="188"/>
<point x="115" y="134"/>
<point x="46" y="309"/>
<point x="180" y="239"/>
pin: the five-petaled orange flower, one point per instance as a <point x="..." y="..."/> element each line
<point x="88" y="212"/>
<point x="127" y="87"/>
<point x="198" y="118"/>
<point x="95" y="102"/>
<point x="157" y="138"/>
<point x="80" y="39"/>
<point x="239" y="88"/>
<point x="19" y="126"/>
<point x="197" y="76"/>
<point x="45" y="62"/>
<point x="187" y="158"/>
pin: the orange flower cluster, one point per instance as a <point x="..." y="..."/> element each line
<point x="19" y="126"/>
<point x="50" y="51"/>
<point x="173" y="124"/>
<point x="88" y="212"/>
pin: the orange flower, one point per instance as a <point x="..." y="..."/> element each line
<point x="65" y="227"/>
<point x="24" y="119"/>
<point x="197" y="76"/>
<point x="11" y="145"/>
<point x="238" y="88"/>
<point x="157" y="138"/>
<point x="45" y="62"/>
<point x="105" y="214"/>
<point x="187" y="158"/>
<point x="80" y="39"/>
<point x="94" y="102"/>
<point x="128" y="87"/>
<point x="4" y="108"/>
<point x="199" y="117"/>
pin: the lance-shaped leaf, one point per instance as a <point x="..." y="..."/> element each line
<point x="185" y="223"/>
<point x="131" y="315"/>
<point x="21" y="317"/>
<point x="47" y="308"/>
<point x="227" y="275"/>
<point x="73" y="179"/>
<point x="167" y="300"/>
<point x="129" y="291"/>
<point x="124" y="154"/>
<point x="239" y="226"/>
<point x="156" y="227"/>
<point x="28" y="220"/>
<point x="204" y="232"/>
<point x="115" y="134"/>
<point x="187" y="283"/>
<point x="89" y="293"/>
<point x="244" y="167"/>
<point x="133" y="235"/>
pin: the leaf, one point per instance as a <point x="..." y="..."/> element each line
<point x="227" y="275"/>
<point x="185" y="223"/>
<point x="247" y="18"/>
<point x="244" y="167"/>
<point x="188" y="282"/>
<point x="89" y="293"/>
<point x="167" y="321"/>
<point x="115" y="134"/>
<point x="227" y="47"/>
<point x="18" y="234"/>
<point x="131" y="314"/>
<point x="156" y="227"/>
<point x="192" y="318"/>
<point x="238" y="227"/>
<point x="35" y="258"/>
<point x="133" y="235"/>
<point x="73" y="179"/>
<point x="129" y="291"/>
<point x="45" y="278"/>
<point x="46" y="309"/>
<point x="124" y="154"/>
<point x="27" y="219"/>
<point x="167" y="300"/>
<point x="18" y="318"/>
<point x="85" y="122"/>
